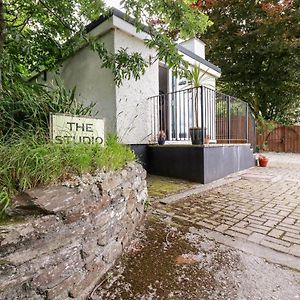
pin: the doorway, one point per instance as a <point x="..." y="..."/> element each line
<point x="163" y="99"/>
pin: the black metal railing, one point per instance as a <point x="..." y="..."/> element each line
<point x="221" y="118"/>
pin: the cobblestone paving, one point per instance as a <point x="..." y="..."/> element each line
<point x="262" y="207"/>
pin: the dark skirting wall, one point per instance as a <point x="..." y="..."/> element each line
<point x="184" y="162"/>
<point x="201" y="164"/>
<point x="220" y="161"/>
<point x="141" y="153"/>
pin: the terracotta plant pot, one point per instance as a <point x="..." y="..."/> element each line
<point x="161" y="137"/>
<point x="206" y="140"/>
<point x="263" y="161"/>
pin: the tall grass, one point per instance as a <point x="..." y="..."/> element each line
<point x="28" y="162"/>
<point x="27" y="157"/>
<point x="26" y="106"/>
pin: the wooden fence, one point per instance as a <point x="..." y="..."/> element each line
<point x="237" y="131"/>
<point x="280" y="139"/>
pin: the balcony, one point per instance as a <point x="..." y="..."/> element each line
<point x="220" y="118"/>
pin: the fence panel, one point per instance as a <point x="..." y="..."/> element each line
<point x="280" y="139"/>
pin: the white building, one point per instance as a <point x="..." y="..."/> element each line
<point x="137" y="110"/>
<point x="127" y="109"/>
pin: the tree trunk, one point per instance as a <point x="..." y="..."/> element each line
<point x="2" y="33"/>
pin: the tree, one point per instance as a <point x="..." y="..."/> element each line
<point x="256" y="44"/>
<point x="37" y="34"/>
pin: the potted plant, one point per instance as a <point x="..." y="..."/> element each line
<point x="207" y="139"/>
<point x="257" y="148"/>
<point x="161" y="137"/>
<point x="196" y="132"/>
<point x="263" y="160"/>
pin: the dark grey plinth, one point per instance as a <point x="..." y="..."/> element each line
<point x="202" y="164"/>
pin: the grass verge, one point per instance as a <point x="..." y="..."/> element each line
<point x="29" y="162"/>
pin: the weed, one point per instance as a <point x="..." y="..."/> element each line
<point x="147" y="203"/>
<point x="109" y="277"/>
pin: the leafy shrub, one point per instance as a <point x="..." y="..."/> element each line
<point x="25" y="106"/>
<point x="27" y="157"/>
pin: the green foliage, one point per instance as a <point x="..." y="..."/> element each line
<point x="28" y="162"/>
<point x="256" y="44"/>
<point x="263" y="126"/>
<point x="27" y="158"/>
<point x="38" y="35"/>
<point x="120" y="62"/>
<point x="37" y="31"/>
<point x="147" y="204"/>
<point x="167" y="21"/>
<point x="291" y="115"/>
<point x="237" y="108"/>
<point x="4" y="201"/>
<point x="27" y="105"/>
<point x="195" y="76"/>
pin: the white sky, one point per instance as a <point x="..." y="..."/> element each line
<point x="113" y="3"/>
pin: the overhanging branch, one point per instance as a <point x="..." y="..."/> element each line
<point x="53" y="13"/>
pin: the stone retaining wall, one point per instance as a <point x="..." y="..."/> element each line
<point x="70" y="235"/>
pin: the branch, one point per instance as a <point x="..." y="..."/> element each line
<point x="13" y="20"/>
<point x="2" y="37"/>
<point x="23" y="24"/>
<point x="56" y="16"/>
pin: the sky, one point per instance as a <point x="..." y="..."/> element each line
<point x="114" y="3"/>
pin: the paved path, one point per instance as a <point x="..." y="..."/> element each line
<point x="237" y="241"/>
<point x="262" y="207"/>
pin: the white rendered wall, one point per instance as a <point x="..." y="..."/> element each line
<point x="208" y="81"/>
<point x="196" y="46"/>
<point x="93" y="83"/>
<point x="126" y="109"/>
<point x="134" y="110"/>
